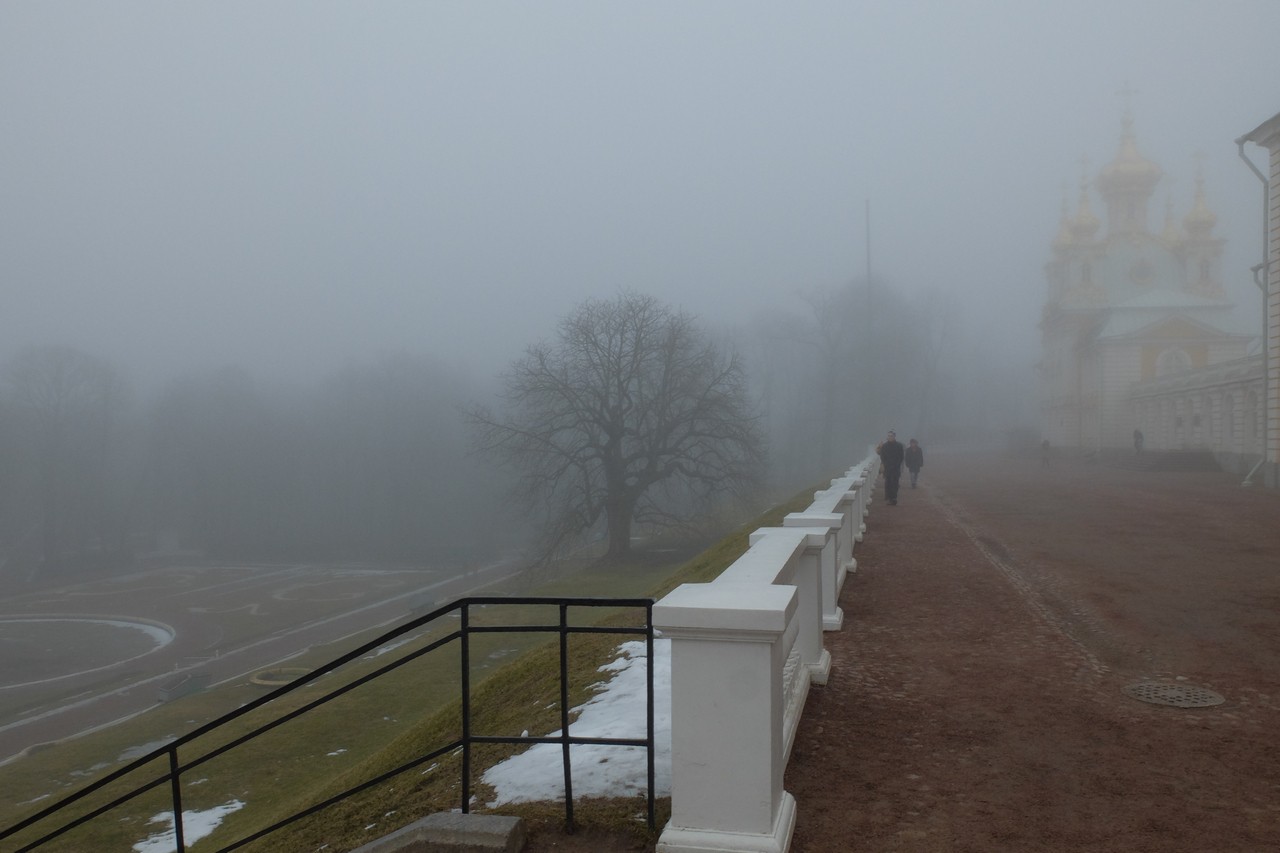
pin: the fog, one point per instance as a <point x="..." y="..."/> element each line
<point x="292" y="186"/>
<point x="303" y="190"/>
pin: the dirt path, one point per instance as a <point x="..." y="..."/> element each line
<point x="977" y="699"/>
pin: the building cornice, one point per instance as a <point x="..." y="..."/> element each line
<point x="1266" y="134"/>
<point x="1239" y="371"/>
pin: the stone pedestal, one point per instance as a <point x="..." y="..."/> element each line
<point x="727" y="743"/>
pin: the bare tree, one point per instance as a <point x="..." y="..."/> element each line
<point x="630" y="396"/>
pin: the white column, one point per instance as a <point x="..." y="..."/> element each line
<point x="866" y="490"/>
<point x="852" y="528"/>
<point x="727" y="705"/>
<point x="830" y="568"/>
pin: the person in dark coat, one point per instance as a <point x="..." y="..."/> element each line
<point x="914" y="457"/>
<point x="891" y="452"/>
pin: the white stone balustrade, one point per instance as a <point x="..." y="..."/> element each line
<point x="831" y="569"/>
<point x="745" y="649"/>
<point x="867" y="471"/>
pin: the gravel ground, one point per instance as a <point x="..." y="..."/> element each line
<point x="977" y="698"/>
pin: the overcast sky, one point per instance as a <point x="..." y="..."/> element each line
<point x="295" y="185"/>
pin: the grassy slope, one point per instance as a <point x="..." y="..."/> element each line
<point x="383" y="724"/>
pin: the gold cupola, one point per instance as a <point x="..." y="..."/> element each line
<point x="1200" y="221"/>
<point x="1126" y="184"/>
<point x="1063" y="240"/>
<point x="1085" y="224"/>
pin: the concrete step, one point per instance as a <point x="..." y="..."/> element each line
<point x="453" y="832"/>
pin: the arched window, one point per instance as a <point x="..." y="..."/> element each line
<point x="1172" y="360"/>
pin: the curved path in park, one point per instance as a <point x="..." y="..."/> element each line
<point x="195" y="604"/>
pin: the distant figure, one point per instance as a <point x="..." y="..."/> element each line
<point x="1137" y="441"/>
<point x="1044" y="453"/>
<point x="891" y="453"/>
<point x="914" y="457"/>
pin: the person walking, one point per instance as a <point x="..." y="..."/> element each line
<point x="914" y="457"/>
<point x="891" y="453"/>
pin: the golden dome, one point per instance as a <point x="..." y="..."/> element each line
<point x="1200" y="221"/>
<point x="1063" y="239"/>
<point x="1085" y="223"/>
<point x="1129" y="169"/>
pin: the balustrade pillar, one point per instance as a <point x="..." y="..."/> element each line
<point x="831" y="570"/>
<point x="851" y="531"/>
<point x="728" y="654"/>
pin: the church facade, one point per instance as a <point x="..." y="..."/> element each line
<point x="1136" y="331"/>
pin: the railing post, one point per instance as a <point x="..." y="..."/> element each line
<point x="831" y="572"/>
<point x="565" y="755"/>
<point x="851" y="526"/>
<point x="464" y="662"/>
<point x="727" y="707"/>
<point x="867" y="493"/>
<point x="175" y="785"/>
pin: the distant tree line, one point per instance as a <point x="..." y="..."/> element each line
<point x="634" y="414"/>
<point x="369" y="465"/>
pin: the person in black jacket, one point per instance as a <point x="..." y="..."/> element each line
<point x="891" y="459"/>
<point x="914" y="457"/>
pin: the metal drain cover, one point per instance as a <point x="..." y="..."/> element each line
<point x="1177" y="695"/>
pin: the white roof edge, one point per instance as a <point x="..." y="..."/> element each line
<point x="1266" y="134"/>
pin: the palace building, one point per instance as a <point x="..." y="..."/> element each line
<point x="1136" y="330"/>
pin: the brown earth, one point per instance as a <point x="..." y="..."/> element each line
<point x="976" y="699"/>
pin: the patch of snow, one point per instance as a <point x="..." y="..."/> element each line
<point x="195" y="825"/>
<point x="616" y="711"/>
<point x="389" y="647"/>
<point x="94" y="769"/>
<point x="141" y="750"/>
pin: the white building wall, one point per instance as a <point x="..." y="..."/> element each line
<point x="1121" y="367"/>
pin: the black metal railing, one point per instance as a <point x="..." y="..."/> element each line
<point x="177" y="768"/>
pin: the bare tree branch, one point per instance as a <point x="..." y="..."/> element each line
<point x="629" y="396"/>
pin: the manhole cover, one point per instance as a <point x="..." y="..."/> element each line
<point x="1177" y="695"/>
